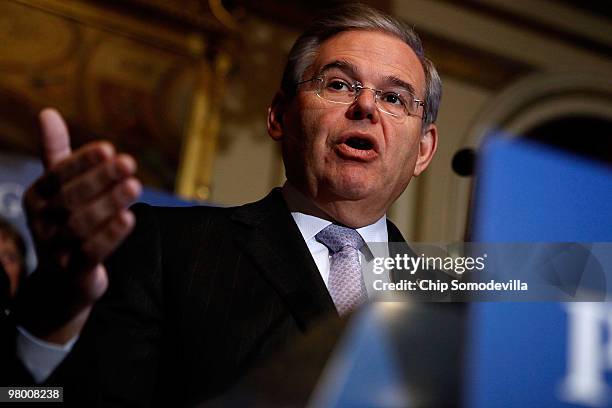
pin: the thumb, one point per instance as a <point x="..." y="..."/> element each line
<point x="54" y="137"/>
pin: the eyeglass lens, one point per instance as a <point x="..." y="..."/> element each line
<point x="393" y="101"/>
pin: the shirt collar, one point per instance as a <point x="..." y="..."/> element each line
<point x="311" y="220"/>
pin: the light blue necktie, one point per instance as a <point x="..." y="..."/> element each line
<point x="345" y="280"/>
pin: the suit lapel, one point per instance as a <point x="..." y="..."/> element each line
<point x="398" y="246"/>
<point x="394" y="233"/>
<point x="273" y="241"/>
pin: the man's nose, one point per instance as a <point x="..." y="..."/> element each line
<point x="364" y="106"/>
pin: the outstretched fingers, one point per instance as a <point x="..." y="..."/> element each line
<point x="78" y="214"/>
<point x="87" y="186"/>
<point x="103" y="241"/>
<point x="88" y="218"/>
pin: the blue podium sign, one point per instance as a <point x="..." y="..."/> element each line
<point x="539" y="354"/>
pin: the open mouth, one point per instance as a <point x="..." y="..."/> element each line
<point x="357" y="147"/>
<point x="359" y="143"/>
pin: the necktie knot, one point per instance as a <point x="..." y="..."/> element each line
<point x="335" y="237"/>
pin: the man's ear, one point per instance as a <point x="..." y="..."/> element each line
<point x="276" y="113"/>
<point x="427" y="148"/>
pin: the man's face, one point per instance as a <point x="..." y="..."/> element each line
<point x="337" y="152"/>
<point x="11" y="261"/>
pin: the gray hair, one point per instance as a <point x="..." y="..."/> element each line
<point x="359" y="17"/>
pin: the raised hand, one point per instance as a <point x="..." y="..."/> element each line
<point x="78" y="214"/>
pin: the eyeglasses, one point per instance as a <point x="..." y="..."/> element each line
<point x="397" y="103"/>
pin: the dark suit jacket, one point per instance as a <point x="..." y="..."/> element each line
<point x="196" y="297"/>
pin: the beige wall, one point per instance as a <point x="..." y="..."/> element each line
<point x="248" y="162"/>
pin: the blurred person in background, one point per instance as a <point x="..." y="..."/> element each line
<point x="12" y="273"/>
<point x="12" y="260"/>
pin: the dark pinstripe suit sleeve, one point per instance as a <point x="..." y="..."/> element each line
<point x="114" y="363"/>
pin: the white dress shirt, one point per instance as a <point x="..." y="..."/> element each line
<point x="311" y="220"/>
<point x="41" y="357"/>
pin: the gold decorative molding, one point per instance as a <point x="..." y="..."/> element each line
<point x="121" y="24"/>
<point x="137" y="82"/>
<point x="200" y="140"/>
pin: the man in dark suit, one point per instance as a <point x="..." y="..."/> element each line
<point x="194" y="297"/>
